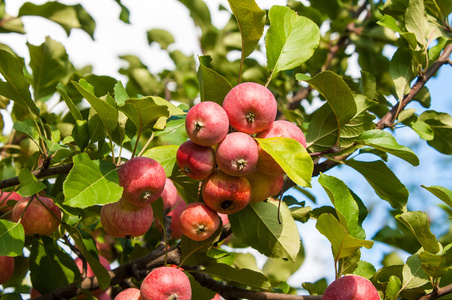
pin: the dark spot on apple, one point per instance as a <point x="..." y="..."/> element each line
<point x="226" y="204"/>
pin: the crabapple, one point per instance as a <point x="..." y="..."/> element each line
<point x="7" y="268"/>
<point x="176" y="230"/>
<point x="351" y="287"/>
<point x="225" y="193"/>
<point x="279" y="128"/>
<point x="169" y="194"/>
<point x="237" y="154"/>
<point x="166" y="283"/>
<point x="37" y="214"/>
<point x="251" y="107"/>
<point x="143" y="180"/>
<point x="129" y="294"/>
<point x="8" y="196"/>
<point x="198" y="222"/>
<point x="206" y="123"/>
<point x="196" y="161"/>
<point x="122" y="219"/>
<point x="263" y="185"/>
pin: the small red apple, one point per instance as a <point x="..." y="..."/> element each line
<point x="263" y="185"/>
<point x="122" y="219"/>
<point x="198" y="222"/>
<point x="237" y="154"/>
<point x="196" y="161"/>
<point x="143" y="180"/>
<point x="206" y="123"/>
<point x="216" y="297"/>
<point x="279" y="128"/>
<point x="176" y="230"/>
<point x="351" y="287"/>
<point x="129" y="294"/>
<point x="7" y="268"/>
<point x="251" y="107"/>
<point x="41" y="215"/>
<point x="34" y="293"/>
<point x="225" y="193"/>
<point x="6" y="197"/>
<point x="169" y="194"/>
<point x="166" y="283"/>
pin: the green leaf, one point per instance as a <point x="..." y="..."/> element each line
<point x="27" y="127"/>
<point x="419" y="224"/>
<point x="442" y="193"/>
<point x="383" y="180"/>
<point x="267" y="235"/>
<point x="385" y="141"/>
<point x="208" y="79"/>
<point x="415" y="20"/>
<point x="87" y="246"/>
<point x="279" y="270"/>
<point x="401" y="71"/>
<point x="323" y="130"/>
<point x="46" y="252"/>
<point x="291" y="156"/>
<point x="441" y="125"/>
<point x="343" y="244"/>
<point x="50" y="65"/>
<point x="68" y="17"/>
<point x="414" y="275"/>
<point x="160" y="36"/>
<point x="12" y="238"/>
<point x="390" y="22"/>
<point x="195" y="252"/>
<point x="15" y="87"/>
<point x="75" y="112"/>
<point x="165" y="155"/>
<point x="253" y="279"/>
<point x="290" y="39"/>
<point x="12" y="296"/>
<point x="91" y="183"/>
<point x="365" y="269"/>
<point x="346" y="207"/>
<point x="29" y="185"/>
<point x="251" y="21"/>
<point x="436" y="264"/>
<point x="392" y="288"/>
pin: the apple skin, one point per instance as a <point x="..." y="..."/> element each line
<point x="176" y="230"/>
<point x="225" y="193"/>
<point x="351" y="287"/>
<point x="166" y="283"/>
<point x="129" y="294"/>
<point x="143" y="180"/>
<point x="206" y="123"/>
<point x="169" y="195"/>
<point x="279" y="128"/>
<point x="4" y="198"/>
<point x="37" y="219"/>
<point x="216" y="297"/>
<point x="196" y="161"/>
<point x="121" y="219"/>
<point x="264" y="186"/>
<point x="198" y="222"/>
<point x="251" y="107"/>
<point x="237" y="154"/>
<point x="7" y="268"/>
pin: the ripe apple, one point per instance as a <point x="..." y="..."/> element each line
<point x="41" y="215"/>
<point x="166" y="283"/>
<point x="251" y="107"/>
<point x="206" y="123"/>
<point x="89" y="273"/>
<point x="169" y="194"/>
<point x="225" y="193"/>
<point x="351" y="287"/>
<point x="122" y="219"/>
<point x="216" y="297"/>
<point x="263" y="185"/>
<point x="129" y="294"/>
<point x="7" y="268"/>
<point x="279" y="128"/>
<point x="5" y="197"/>
<point x="198" y="222"/>
<point x="143" y="180"/>
<point x="176" y="230"/>
<point x="237" y="154"/>
<point x="196" y="161"/>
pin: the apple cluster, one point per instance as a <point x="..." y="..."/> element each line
<point x="223" y="153"/>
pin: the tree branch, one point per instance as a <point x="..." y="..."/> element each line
<point x="442" y="291"/>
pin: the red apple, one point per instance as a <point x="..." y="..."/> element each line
<point x="279" y="128"/>
<point x="263" y="185"/>
<point x="206" y="123"/>
<point x="166" y="283"/>
<point x="34" y="293"/>
<point x="121" y="219"/>
<point x="6" y="197"/>
<point x="41" y="215"/>
<point x="225" y="193"/>
<point x="237" y="154"/>
<point x="196" y="161"/>
<point x="216" y="297"/>
<point x="169" y="194"/>
<point x="351" y="287"/>
<point x="176" y="230"/>
<point x="198" y="222"/>
<point x="143" y="180"/>
<point x="251" y="107"/>
<point x="7" y="268"/>
<point x="129" y="294"/>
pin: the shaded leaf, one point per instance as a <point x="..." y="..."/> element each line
<point x="414" y="275"/>
<point x="323" y="130"/>
<point x="208" y="79"/>
<point x="400" y="69"/>
<point x="441" y="125"/>
<point x="75" y="112"/>
<point x="442" y="193"/>
<point x="436" y="264"/>
<point x="12" y="238"/>
<point x="29" y="185"/>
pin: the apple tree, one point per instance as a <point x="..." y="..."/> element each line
<point x="133" y="176"/>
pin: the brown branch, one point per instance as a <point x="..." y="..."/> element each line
<point x="63" y="169"/>
<point x="442" y="291"/>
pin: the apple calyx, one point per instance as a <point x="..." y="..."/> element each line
<point x="201" y="229"/>
<point x="240" y="164"/>
<point x="173" y="297"/>
<point x="198" y="126"/>
<point x="146" y="195"/>
<point x="250" y="117"/>
<point x="186" y="170"/>
<point x="226" y="204"/>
